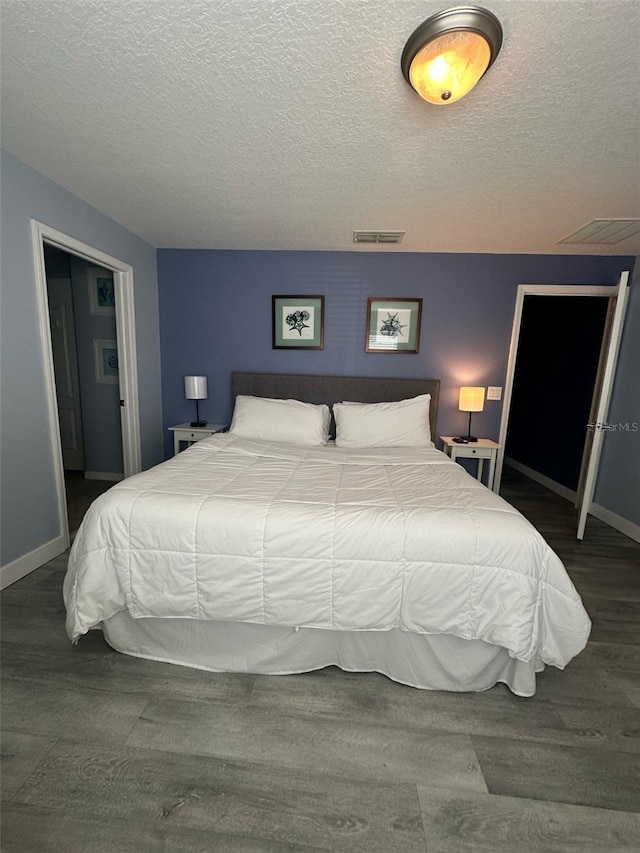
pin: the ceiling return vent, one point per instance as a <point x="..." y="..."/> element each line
<point x="604" y="232"/>
<point x="378" y="236"/>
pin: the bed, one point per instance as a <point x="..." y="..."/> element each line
<point x="245" y="554"/>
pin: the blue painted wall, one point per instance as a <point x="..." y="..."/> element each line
<point x="215" y="317"/>
<point x="28" y="498"/>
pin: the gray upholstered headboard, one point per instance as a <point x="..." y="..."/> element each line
<point x="335" y="389"/>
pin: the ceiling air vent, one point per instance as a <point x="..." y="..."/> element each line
<point x="378" y="236"/>
<point x="604" y="231"/>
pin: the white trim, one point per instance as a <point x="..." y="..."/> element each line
<point x="103" y="475"/>
<point x="77" y="247"/>
<point x="128" y="371"/>
<point x="567" y="289"/>
<point x="616" y="521"/>
<point x="547" y="482"/>
<point x="49" y="382"/>
<point x="12" y="572"/>
<point x="533" y="290"/>
<point x="125" y="331"/>
<point x="126" y="339"/>
<point x="602" y="411"/>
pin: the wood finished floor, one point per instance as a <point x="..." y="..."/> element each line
<point x="80" y="494"/>
<point x="104" y="753"/>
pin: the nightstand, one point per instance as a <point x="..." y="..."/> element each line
<point x="481" y="449"/>
<point x="189" y="434"/>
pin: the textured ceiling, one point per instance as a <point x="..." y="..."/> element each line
<point x="286" y="125"/>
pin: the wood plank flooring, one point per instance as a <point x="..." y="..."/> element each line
<point x="104" y="753"/>
<point x="80" y="493"/>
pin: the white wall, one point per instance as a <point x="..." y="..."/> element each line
<point x="28" y="496"/>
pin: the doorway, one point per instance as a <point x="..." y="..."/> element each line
<point x="592" y="440"/>
<point x="559" y="349"/>
<point x="124" y="380"/>
<point x="83" y="329"/>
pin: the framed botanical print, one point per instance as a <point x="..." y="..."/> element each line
<point x="105" y="357"/>
<point x="393" y="325"/>
<point x="298" y="322"/>
<point x="102" y="298"/>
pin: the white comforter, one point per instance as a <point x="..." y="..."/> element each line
<point x="342" y="540"/>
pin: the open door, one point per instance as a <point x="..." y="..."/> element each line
<point x="595" y="400"/>
<point x="602" y="410"/>
<point x="65" y="367"/>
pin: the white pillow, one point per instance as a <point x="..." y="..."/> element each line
<point x="285" y="421"/>
<point x="402" y="424"/>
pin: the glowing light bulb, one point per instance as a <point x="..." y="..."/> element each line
<point x="437" y="69"/>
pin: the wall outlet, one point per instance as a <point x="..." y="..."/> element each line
<point x="494" y="392"/>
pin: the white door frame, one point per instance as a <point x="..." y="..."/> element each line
<point x="611" y="361"/>
<point x="533" y="290"/>
<point x="127" y="356"/>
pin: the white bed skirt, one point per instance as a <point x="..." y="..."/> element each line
<point x="430" y="662"/>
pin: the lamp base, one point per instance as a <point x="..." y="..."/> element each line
<point x="198" y="423"/>
<point x="468" y="438"/>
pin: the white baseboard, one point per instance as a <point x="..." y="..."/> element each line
<point x="616" y="521"/>
<point x="629" y="528"/>
<point x="547" y="482"/>
<point x="12" y="572"/>
<point x="103" y="475"/>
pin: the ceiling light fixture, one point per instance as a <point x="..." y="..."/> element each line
<point x="447" y="54"/>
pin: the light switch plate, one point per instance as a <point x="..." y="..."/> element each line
<point x="494" y="392"/>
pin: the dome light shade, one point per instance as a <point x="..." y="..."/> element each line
<point x="447" y="54"/>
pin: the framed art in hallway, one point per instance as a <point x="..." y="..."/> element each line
<point x="105" y="358"/>
<point x="393" y="325"/>
<point x="102" y="299"/>
<point x="297" y="322"/>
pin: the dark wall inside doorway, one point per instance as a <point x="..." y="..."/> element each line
<point x="557" y="361"/>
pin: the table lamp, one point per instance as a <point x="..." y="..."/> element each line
<point x="195" y="388"/>
<point x="471" y="400"/>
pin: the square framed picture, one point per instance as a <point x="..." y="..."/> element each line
<point x="393" y="325"/>
<point x="298" y="322"/>
<point x="105" y="357"/>
<point x="102" y="299"/>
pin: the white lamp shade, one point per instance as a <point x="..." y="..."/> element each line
<point x="195" y="387"/>
<point x="471" y="399"/>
